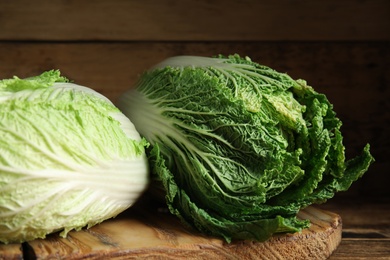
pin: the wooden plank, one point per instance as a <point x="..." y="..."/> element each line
<point x="362" y="216"/>
<point x="366" y="227"/>
<point x="362" y="248"/>
<point x="154" y="233"/>
<point x="186" y="20"/>
<point x="112" y="68"/>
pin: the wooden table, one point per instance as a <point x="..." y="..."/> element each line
<point x="365" y="233"/>
<point x="366" y="227"/>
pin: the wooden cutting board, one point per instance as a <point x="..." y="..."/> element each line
<point x="153" y="233"/>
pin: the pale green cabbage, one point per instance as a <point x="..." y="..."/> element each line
<point x="68" y="158"/>
<point x="238" y="147"/>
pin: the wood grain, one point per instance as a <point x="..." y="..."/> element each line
<point x="366" y="231"/>
<point x="366" y="227"/>
<point x="362" y="249"/>
<point x="155" y="234"/>
<point x="202" y="20"/>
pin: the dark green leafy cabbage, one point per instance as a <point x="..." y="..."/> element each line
<point x="238" y="147"/>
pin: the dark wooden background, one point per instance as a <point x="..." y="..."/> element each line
<point x="340" y="47"/>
